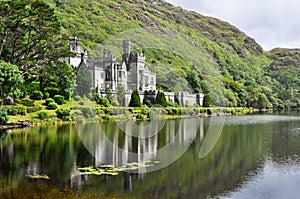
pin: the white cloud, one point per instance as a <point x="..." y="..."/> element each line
<point x="273" y="23"/>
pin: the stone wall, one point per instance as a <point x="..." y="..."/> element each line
<point x="182" y="98"/>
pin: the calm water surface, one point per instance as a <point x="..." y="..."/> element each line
<point x="255" y="156"/>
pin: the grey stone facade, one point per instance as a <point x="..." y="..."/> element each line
<point x="131" y="73"/>
<point x="108" y="72"/>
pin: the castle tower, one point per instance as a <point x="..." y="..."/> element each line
<point x="126" y="52"/>
<point x="80" y="54"/>
<point x="126" y="46"/>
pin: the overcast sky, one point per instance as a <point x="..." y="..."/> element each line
<point x="272" y="23"/>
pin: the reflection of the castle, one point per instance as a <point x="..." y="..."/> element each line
<point x="144" y="148"/>
<point x="108" y="150"/>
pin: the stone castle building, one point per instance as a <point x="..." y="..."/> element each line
<point x="108" y="72"/>
<point x="132" y="73"/>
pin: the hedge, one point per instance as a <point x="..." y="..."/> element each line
<point x="15" y="110"/>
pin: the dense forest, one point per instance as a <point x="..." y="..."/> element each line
<point x="211" y="56"/>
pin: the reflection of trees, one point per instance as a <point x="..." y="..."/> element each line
<point x="58" y="152"/>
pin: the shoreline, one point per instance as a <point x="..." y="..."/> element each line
<point x="196" y="112"/>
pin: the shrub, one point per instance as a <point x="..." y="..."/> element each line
<point x="37" y="95"/>
<point x="27" y="102"/>
<point x="46" y="95"/>
<point x="59" y="99"/>
<point x="102" y="100"/>
<point x="77" y="98"/>
<point x="3" y="116"/>
<point x="52" y="91"/>
<point x="62" y="113"/>
<point x="43" y="115"/>
<point x="141" y="116"/>
<point x="52" y="106"/>
<point x="148" y="102"/>
<point x="161" y="99"/>
<point x="67" y="118"/>
<point x="34" y="109"/>
<point x="207" y="101"/>
<point x="88" y="112"/>
<point x="135" y="99"/>
<point x="16" y="110"/>
<point x="81" y="103"/>
<point x="48" y="101"/>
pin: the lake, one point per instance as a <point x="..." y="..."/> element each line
<point x="251" y="156"/>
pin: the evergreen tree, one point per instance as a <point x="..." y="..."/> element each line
<point x="84" y="80"/>
<point x="161" y="99"/>
<point x="135" y="99"/>
<point x="207" y="101"/>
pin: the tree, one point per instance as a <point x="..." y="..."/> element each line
<point x="121" y="94"/>
<point x="161" y="99"/>
<point x="207" y="101"/>
<point x="84" y="80"/>
<point x="10" y="78"/>
<point x="30" y="35"/>
<point x="59" y="75"/>
<point x="194" y="81"/>
<point x="135" y="99"/>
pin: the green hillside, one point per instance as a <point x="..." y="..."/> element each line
<point x="212" y="56"/>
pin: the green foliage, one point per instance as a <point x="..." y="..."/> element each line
<point x="10" y="78"/>
<point x="59" y="99"/>
<point x="27" y="102"/>
<point x="3" y="116"/>
<point x="102" y="100"/>
<point x="148" y="103"/>
<point x="48" y="101"/>
<point x="37" y="95"/>
<point x="46" y="95"/>
<point x="77" y="98"/>
<point x="52" y="91"/>
<point x="43" y="115"/>
<point x="34" y="109"/>
<point x="88" y="112"/>
<point x="63" y="113"/>
<point x="16" y="110"/>
<point x="52" y="106"/>
<point x="121" y="94"/>
<point x="135" y="99"/>
<point x="83" y="81"/>
<point x="31" y="31"/>
<point x="207" y="101"/>
<point x="161" y="99"/>
<point x="81" y="103"/>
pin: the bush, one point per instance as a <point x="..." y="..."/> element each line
<point x="27" y="102"/>
<point x="77" y="98"/>
<point x="81" y="103"/>
<point x="48" y="101"/>
<point x="52" y="106"/>
<point x="88" y="112"/>
<point x="59" y="99"/>
<point x="46" y="95"/>
<point x="148" y="103"/>
<point x="67" y="118"/>
<point x="135" y="99"/>
<point x="34" y="109"/>
<point x="62" y="113"/>
<point x="16" y="110"/>
<point x="52" y="91"/>
<point x="3" y="116"/>
<point x="43" y="115"/>
<point x="102" y="100"/>
<point x="37" y="95"/>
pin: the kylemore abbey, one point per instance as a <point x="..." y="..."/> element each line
<point x="132" y="73"/>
